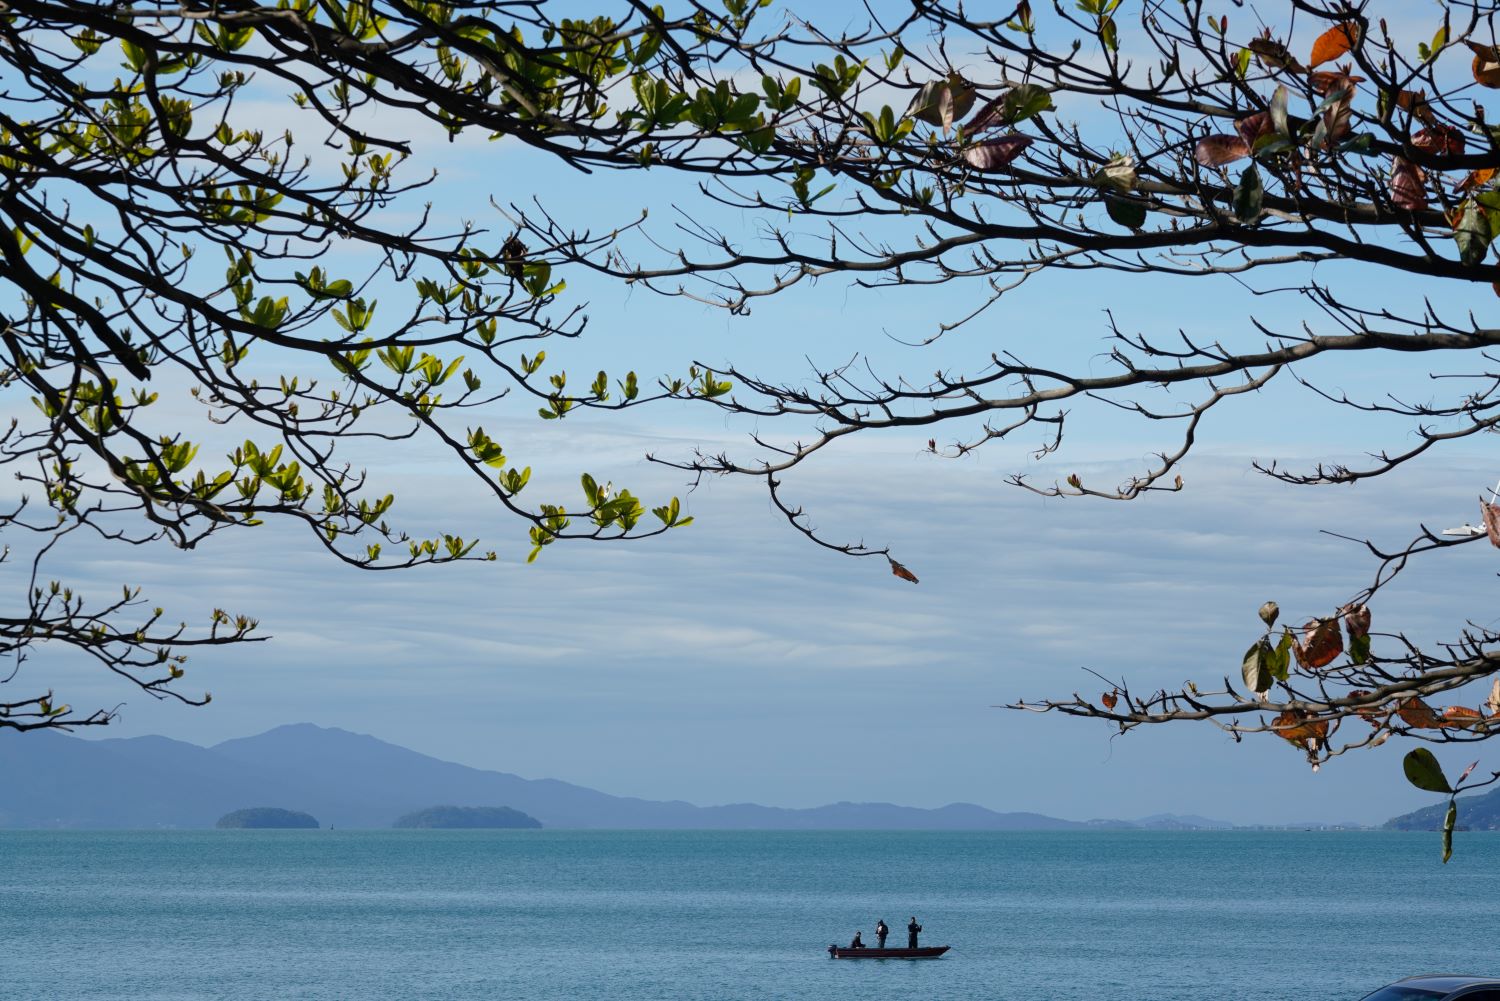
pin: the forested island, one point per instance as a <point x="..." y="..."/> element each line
<point x="266" y="817"/>
<point x="1475" y="813"/>
<point x="467" y="817"/>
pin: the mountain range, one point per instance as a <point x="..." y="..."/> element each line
<point x="52" y="780"/>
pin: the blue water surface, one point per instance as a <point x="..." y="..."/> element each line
<point x="644" y="915"/>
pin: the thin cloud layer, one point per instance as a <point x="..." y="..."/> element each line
<point x="734" y="662"/>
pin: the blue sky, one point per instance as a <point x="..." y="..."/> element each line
<point x="733" y="661"/>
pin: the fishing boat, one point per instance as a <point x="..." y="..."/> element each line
<point x="926" y="952"/>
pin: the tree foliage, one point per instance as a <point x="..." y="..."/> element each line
<point x="934" y="146"/>
<point x="153" y="243"/>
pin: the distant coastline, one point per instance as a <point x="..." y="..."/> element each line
<point x="352" y="780"/>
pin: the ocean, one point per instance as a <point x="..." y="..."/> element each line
<point x="623" y="915"/>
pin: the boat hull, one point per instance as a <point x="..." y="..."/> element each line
<point x="926" y="952"/>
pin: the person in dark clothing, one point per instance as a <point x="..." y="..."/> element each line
<point x="857" y="943"/>
<point x="881" y="931"/>
<point x="912" y="931"/>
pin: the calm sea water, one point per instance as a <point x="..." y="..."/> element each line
<point x="648" y="915"/>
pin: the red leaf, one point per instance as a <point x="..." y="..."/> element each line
<point x="1333" y="43"/>
<point x="902" y="572"/>
<point x="1440" y="140"/>
<point x="1322" y="642"/>
<point x="996" y="154"/>
<point x="1407" y="191"/>
<point x="1109" y="699"/>
<point x="1253" y="127"/>
<point x="1216" y="151"/>
<point x="1357" y="621"/>
<point x="987" y="117"/>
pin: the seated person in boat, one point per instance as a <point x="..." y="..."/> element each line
<point x="857" y="943"/>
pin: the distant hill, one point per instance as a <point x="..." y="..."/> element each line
<point x="348" y="779"/>
<point x="457" y="817"/>
<point x="354" y="780"/>
<point x="267" y="817"/>
<point x="1475" y="813"/>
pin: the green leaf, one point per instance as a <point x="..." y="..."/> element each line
<point x="1359" y="648"/>
<point x="1279" y="660"/>
<point x="1450" y="819"/>
<point x="1278" y="112"/>
<point x="1108" y="34"/>
<point x="1362" y="144"/>
<point x="1128" y="212"/>
<point x="1472" y="234"/>
<point x="1257" y="675"/>
<point x="1424" y="772"/>
<point x="1026" y="101"/>
<point x="1118" y="175"/>
<point x="1248" y="195"/>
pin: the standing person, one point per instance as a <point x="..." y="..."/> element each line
<point x="912" y="931"/>
<point x="881" y="931"/>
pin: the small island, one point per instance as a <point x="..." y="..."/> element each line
<point x="467" y="817"/>
<point x="267" y="817"/>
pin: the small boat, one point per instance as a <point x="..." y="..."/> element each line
<point x="926" y="952"/>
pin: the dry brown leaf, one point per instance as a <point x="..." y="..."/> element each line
<point x="1486" y="65"/>
<point x="1300" y="728"/>
<point x="1369" y="714"/>
<point x="1325" y="82"/>
<point x="1414" y="102"/>
<point x="1321" y="643"/>
<point x="1336" y="118"/>
<point x="1418" y="715"/>
<point x="1491" y="515"/>
<point x="513" y="254"/>
<point x="1272" y="54"/>
<point x="1461" y="717"/>
<point x="902" y="572"/>
<point x="1477" y="179"/>
<point x="1333" y="43"/>
<point x="1109" y="699"/>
